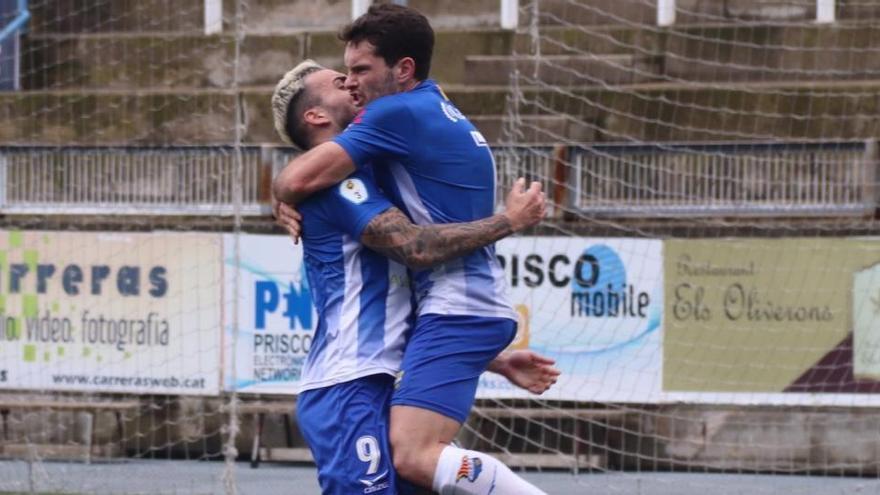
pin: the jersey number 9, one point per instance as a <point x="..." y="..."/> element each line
<point x="368" y="451"/>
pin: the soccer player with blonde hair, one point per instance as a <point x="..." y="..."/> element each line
<point x="357" y="248"/>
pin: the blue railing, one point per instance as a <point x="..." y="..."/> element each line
<point x="20" y="20"/>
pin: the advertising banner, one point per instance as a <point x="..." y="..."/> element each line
<point x="100" y="312"/>
<point x="772" y="321"/>
<point x="276" y="317"/>
<point x="594" y="305"/>
<point x="591" y="304"/>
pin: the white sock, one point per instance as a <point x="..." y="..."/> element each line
<point x="467" y="472"/>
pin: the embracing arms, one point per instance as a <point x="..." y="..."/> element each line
<point x="393" y="234"/>
<point x="422" y="246"/>
<point x="319" y="168"/>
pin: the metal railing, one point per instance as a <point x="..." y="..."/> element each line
<point x="743" y="179"/>
<point x="132" y="181"/>
<point x="669" y="180"/>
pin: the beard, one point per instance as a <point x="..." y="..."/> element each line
<point x="385" y="87"/>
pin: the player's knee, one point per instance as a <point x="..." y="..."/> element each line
<point x="408" y="459"/>
<point x="408" y="466"/>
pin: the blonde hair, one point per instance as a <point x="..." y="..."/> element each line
<point x="287" y="90"/>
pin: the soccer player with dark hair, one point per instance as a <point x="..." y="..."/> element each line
<point x="437" y="168"/>
<point x="351" y="235"/>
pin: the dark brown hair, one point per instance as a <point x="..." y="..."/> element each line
<point x="396" y="32"/>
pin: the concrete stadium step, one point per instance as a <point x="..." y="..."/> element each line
<point x="84" y="16"/>
<point x="139" y="16"/>
<point x="865" y="11"/>
<point x="643" y="13"/>
<point x="689" y="53"/>
<point x="90" y="16"/>
<point x="606" y="40"/>
<point x="93" y="16"/>
<point x="704" y="38"/>
<point x="783" y="11"/>
<point x="147" y="60"/>
<point x="591" y="12"/>
<point x="725" y="52"/>
<point x="605" y="12"/>
<point x="138" y="61"/>
<point x="537" y="128"/>
<point x="275" y="15"/>
<point x="807" y="111"/>
<point x="563" y="69"/>
<point x="772" y="53"/>
<point x="207" y="116"/>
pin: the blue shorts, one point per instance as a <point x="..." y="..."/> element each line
<point x="444" y="359"/>
<point x="346" y="427"/>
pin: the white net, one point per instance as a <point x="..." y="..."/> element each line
<point x="741" y="138"/>
<point x="706" y="280"/>
<point x="122" y="162"/>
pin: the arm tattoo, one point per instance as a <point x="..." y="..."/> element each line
<point x="423" y="246"/>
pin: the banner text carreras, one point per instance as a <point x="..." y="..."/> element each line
<point x="126" y="280"/>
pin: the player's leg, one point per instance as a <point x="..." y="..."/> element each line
<point x="418" y="437"/>
<point x="346" y="427"/>
<point x="441" y="368"/>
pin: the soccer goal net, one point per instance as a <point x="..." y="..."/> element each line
<point x="707" y="279"/>
<point x="708" y="285"/>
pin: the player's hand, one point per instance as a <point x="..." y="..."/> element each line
<point x="525" y="207"/>
<point x="288" y="218"/>
<point x="527" y="369"/>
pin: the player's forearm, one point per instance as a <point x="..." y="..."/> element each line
<point x="440" y="243"/>
<point x="317" y="169"/>
<point x="423" y="246"/>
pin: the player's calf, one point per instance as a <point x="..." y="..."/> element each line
<point x="417" y="438"/>
<point x="467" y="472"/>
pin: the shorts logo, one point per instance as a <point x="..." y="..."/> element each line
<point x="376" y="484"/>
<point x="354" y="190"/>
<point x="397" y="379"/>
<point x="470" y="469"/>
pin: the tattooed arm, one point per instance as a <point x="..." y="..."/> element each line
<point x="422" y="246"/>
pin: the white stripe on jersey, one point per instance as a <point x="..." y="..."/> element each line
<point x="338" y="362"/>
<point x="502" y="291"/>
<point x="397" y="314"/>
<point x="311" y="370"/>
<point x="351" y="302"/>
<point x="410" y="195"/>
<point x="448" y="295"/>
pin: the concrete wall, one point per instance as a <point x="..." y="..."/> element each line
<point x="784" y="440"/>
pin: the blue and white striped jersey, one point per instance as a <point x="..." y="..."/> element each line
<point x="435" y="165"/>
<point x="363" y="299"/>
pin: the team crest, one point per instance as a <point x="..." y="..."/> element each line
<point x="353" y="190"/>
<point x="470" y="469"/>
